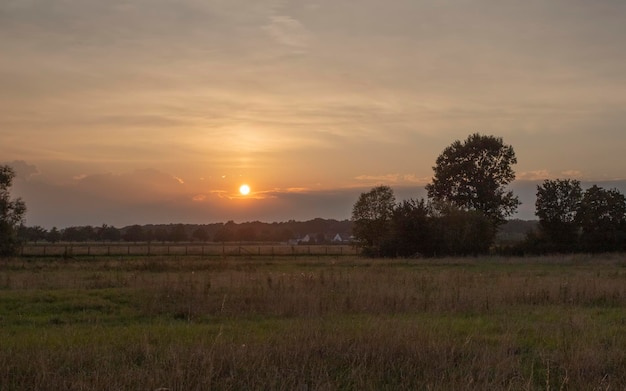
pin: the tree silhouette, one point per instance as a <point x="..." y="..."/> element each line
<point x="372" y="215"/>
<point x="11" y="213"/>
<point x="602" y="217"/>
<point x="556" y="206"/>
<point x="473" y="175"/>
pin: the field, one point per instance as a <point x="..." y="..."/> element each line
<point x="312" y="323"/>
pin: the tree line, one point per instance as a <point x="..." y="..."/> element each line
<point x="573" y="220"/>
<point x="468" y="201"/>
<point x="321" y="231"/>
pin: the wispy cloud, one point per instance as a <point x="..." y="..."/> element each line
<point x="400" y="179"/>
<point x="572" y="174"/>
<point x="289" y="32"/>
<point x="533" y="175"/>
<point x="542" y="174"/>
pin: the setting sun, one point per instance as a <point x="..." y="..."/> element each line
<point x="244" y="189"/>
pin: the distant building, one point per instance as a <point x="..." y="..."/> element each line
<point x="319" y="238"/>
<point x="308" y="238"/>
<point x="343" y="238"/>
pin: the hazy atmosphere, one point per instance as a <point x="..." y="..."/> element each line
<point x="138" y="111"/>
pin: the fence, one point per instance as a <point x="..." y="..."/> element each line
<point x="207" y="250"/>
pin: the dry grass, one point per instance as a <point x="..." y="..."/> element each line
<point x="190" y="323"/>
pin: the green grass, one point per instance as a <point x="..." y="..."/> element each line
<point x="190" y="323"/>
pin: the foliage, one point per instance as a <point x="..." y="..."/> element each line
<point x="200" y="234"/>
<point x="372" y="214"/>
<point x="473" y="175"/>
<point x="602" y="218"/>
<point x="78" y="234"/>
<point x="556" y="206"/>
<point x="11" y="213"/>
<point x="226" y="233"/>
<point x="219" y="232"/>
<point x="178" y="233"/>
<point x="32" y="234"/>
<point x="461" y="232"/>
<point x="410" y="230"/>
<point x="53" y="235"/>
<point x="135" y="233"/>
<point x="571" y="220"/>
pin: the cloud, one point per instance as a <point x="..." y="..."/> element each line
<point x="22" y="169"/>
<point x="406" y="179"/>
<point x="289" y="32"/>
<point x="533" y="175"/>
<point x="539" y="175"/>
<point x="298" y="189"/>
<point x="572" y="174"/>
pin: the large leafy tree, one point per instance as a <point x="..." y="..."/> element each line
<point x="473" y="175"/>
<point x="556" y="206"/>
<point x="372" y="214"/>
<point x="11" y="213"/>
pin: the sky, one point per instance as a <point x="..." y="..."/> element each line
<point x="156" y="111"/>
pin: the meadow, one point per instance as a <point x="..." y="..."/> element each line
<point x="312" y="323"/>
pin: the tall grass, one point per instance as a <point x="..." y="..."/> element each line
<point x="195" y="324"/>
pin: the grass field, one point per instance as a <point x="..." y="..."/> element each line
<point x="316" y="323"/>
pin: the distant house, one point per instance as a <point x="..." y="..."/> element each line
<point x="308" y="238"/>
<point x="321" y="238"/>
<point x="343" y="238"/>
<point x="313" y="238"/>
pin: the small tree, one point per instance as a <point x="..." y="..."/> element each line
<point x="372" y="215"/>
<point x="473" y="175"/>
<point x="410" y="230"/>
<point x="54" y="235"/>
<point x="602" y="217"/>
<point x="556" y="206"/>
<point x="11" y="214"/>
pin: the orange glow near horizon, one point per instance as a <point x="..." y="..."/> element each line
<point x="244" y="189"/>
